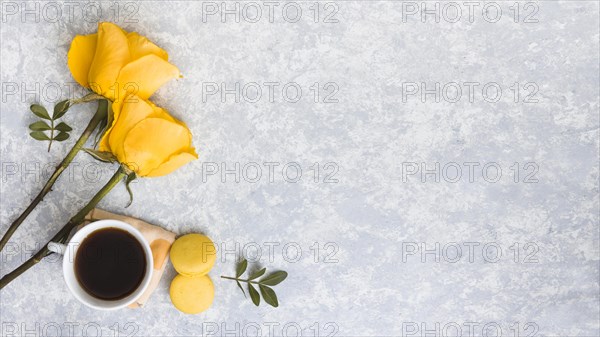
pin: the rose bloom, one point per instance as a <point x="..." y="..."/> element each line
<point x="147" y="138"/>
<point x="113" y="63"/>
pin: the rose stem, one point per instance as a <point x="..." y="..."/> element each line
<point x="100" y="114"/>
<point x="75" y="220"/>
<point x="51" y="134"/>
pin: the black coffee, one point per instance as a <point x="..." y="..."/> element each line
<point x="110" y="264"/>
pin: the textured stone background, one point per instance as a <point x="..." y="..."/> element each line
<point x="360" y="281"/>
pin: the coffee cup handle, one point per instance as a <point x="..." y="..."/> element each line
<point x="57" y="248"/>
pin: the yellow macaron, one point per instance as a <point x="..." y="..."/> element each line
<point x="192" y="295"/>
<point x="193" y="255"/>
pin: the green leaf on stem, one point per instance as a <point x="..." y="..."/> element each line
<point x="130" y="177"/>
<point x="40" y="111"/>
<point x="102" y="127"/>
<point x="254" y="295"/>
<point x="104" y="123"/>
<point x="61" y="137"/>
<point x="241" y="268"/>
<point x="61" y="108"/>
<point x="58" y="132"/>
<point x="39" y="126"/>
<point x="62" y="126"/>
<point x="87" y="98"/>
<point x="274" y="278"/>
<point x="39" y="135"/>
<point x="269" y="295"/>
<point x="242" y="289"/>
<point x="257" y="274"/>
<point x="110" y="115"/>
<point x="103" y="156"/>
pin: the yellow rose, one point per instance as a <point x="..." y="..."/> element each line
<point x="147" y="139"/>
<point x="114" y="63"/>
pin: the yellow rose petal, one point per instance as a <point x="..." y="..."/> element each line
<point x="152" y="142"/>
<point x="164" y="114"/>
<point x="132" y="111"/>
<point x="140" y="46"/>
<point x="145" y="75"/>
<point x="112" y="53"/>
<point x="129" y="105"/>
<point x="80" y="57"/>
<point x="173" y="163"/>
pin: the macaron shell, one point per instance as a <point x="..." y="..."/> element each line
<point x="193" y="255"/>
<point x="192" y="295"/>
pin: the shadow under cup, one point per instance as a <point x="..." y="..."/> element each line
<point x="108" y="264"/>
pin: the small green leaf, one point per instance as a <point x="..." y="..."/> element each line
<point x="106" y="122"/>
<point x="106" y="157"/>
<point x="257" y="274"/>
<point x="274" y="278"/>
<point x="39" y="135"/>
<point x="242" y="289"/>
<point x="254" y="295"/>
<point x="87" y="98"/>
<point x="39" y="111"/>
<point x="130" y="177"/>
<point x="61" y="108"/>
<point x="102" y="127"/>
<point x="61" y="137"/>
<point x="269" y="295"/>
<point x="110" y="113"/>
<point x="39" y="126"/>
<point x="241" y="268"/>
<point x="62" y="126"/>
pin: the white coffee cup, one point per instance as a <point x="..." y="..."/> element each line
<point x="70" y="252"/>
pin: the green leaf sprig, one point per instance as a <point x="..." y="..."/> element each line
<point x="58" y="132"/>
<point x="61" y="129"/>
<point x="264" y="284"/>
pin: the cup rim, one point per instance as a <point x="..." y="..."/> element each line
<point x="69" y="264"/>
